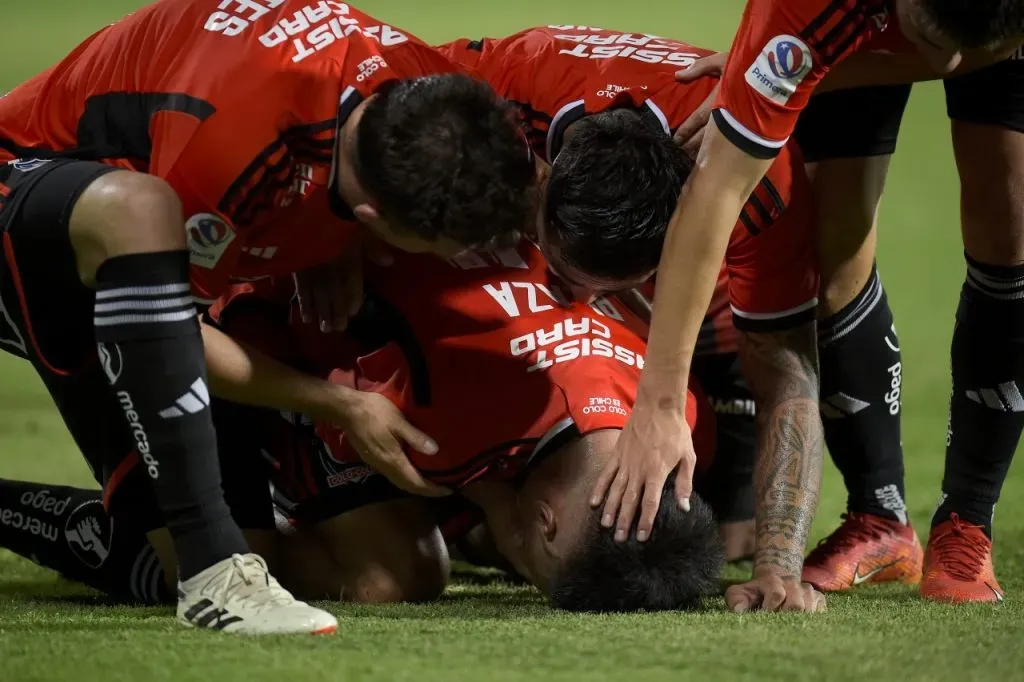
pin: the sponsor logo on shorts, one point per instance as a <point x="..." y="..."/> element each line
<point x="111" y="361"/>
<point x="45" y="502"/>
<point x="208" y="238"/>
<point x="88" y="532"/>
<point x="30" y="524"/>
<point x="782" y="65"/>
<point x="26" y="165"/>
<point x="356" y="474"/>
<point x="139" y="434"/>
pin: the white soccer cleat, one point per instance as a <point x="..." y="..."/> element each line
<point x="239" y="595"/>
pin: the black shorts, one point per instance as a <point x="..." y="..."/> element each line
<point x="992" y="96"/>
<point x="849" y="124"/>
<point x="728" y="484"/>
<point x="308" y="484"/>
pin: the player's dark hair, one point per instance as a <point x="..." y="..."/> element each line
<point x="611" y="193"/>
<point x="675" y="569"/>
<point x="445" y="156"/>
<point x="973" y="23"/>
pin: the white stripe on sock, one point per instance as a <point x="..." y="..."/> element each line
<point x="179" y="316"/>
<point x="159" y="290"/>
<point x="153" y="304"/>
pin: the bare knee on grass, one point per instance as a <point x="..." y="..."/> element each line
<point x="848" y="192"/>
<point x="990" y="160"/>
<point x="124" y="213"/>
<point x="383" y="553"/>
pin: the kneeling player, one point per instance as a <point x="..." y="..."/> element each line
<point x="525" y="395"/>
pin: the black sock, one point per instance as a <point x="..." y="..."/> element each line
<point x="67" y="530"/>
<point x="861" y="376"/>
<point x="986" y="408"/>
<point x="150" y="345"/>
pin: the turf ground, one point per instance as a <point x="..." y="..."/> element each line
<point x="51" y="630"/>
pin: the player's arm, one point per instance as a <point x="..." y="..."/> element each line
<point x="781" y="369"/>
<point x="866" y="68"/>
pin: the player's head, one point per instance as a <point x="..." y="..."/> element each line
<point x="581" y="567"/>
<point x="438" y="164"/>
<point x="942" y="28"/>
<point x="609" y="197"/>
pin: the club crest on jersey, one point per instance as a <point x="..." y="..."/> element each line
<point x="780" y="67"/>
<point x="208" y="239"/>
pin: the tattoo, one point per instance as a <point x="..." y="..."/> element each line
<point x="782" y="371"/>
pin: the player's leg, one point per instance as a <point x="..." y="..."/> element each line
<point x="353" y="535"/>
<point x="728" y="484"/>
<point x="114" y="539"/>
<point x="986" y="413"/>
<point x="108" y="246"/>
<point x="847" y="138"/>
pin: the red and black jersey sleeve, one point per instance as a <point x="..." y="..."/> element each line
<point x="781" y="52"/>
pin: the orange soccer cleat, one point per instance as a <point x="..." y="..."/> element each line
<point x="958" y="564"/>
<point x="865" y="549"/>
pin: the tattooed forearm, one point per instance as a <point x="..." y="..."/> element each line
<point x="782" y="371"/>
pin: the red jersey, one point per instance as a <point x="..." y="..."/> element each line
<point x="489" y="359"/>
<point x="781" y="52"/>
<point x="560" y="74"/>
<point x="236" y="104"/>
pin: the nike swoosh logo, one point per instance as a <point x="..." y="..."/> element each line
<point x="859" y="579"/>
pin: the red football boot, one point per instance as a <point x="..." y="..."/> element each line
<point x="958" y="564"/>
<point x="865" y="549"/>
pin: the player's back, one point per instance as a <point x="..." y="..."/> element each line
<point x="558" y="74"/>
<point x="159" y="72"/>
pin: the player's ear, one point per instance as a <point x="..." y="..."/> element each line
<point x="546" y="522"/>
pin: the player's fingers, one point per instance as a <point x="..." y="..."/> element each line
<point x="773" y="596"/>
<point x="614" y="499"/>
<point x="739" y="599"/>
<point x="604" y="481"/>
<point x="820" y="602"/>
<point x="707" y="66"/>
<point x="692" y="126"/>
<point x="392" y="463"/>
<point x="649" y="506"/>
<point x="796" y="599"/>
<point x="684" y="479"/>
<point x="628" y="507"/>
<point x="692" y="146"/>
<point x="416" y="439"/>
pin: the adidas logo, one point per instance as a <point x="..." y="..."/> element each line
<point x="194" y="401"/>
<point x="841" y="405"/>
<point x="1005" y="397"/>
<point x="204" y="615"/>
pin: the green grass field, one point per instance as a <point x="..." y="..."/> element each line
<point x="51" y="630"/>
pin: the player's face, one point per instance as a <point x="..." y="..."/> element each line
<point x="583" y="286"/>
<point x="935" y="48"/>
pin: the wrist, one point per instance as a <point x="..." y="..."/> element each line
<point x="323" y="400"/>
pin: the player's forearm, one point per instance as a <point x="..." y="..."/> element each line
<point x="782" y="371"/>
<point x="242" y="374"/>
<point x="866" y="69"/>
<point x="691" y="261"/>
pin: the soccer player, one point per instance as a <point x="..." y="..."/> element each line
<point x="603" y="106"/>
<point x="196" y="142"/>
<point x="524" y="391"/>
<point x="781" y="52"/>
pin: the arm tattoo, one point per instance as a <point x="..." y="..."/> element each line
<point x="782" y="371"/>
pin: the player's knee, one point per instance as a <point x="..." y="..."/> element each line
<point x="418" y="571"/>
<point x="123" y="213"/>
<point x="990" y="160"/>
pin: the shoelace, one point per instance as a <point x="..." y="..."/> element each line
<point x="249" y="583"/>
<point x="961" y="553"/>
<point x="856" y="528"/>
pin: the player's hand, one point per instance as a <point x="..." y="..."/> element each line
<point x="654" y="442"/>
<point x="691" y="133"/>
<point x="771" y="592"/>
<point x="377" y="430"/>
<point x="331" y="294"/>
